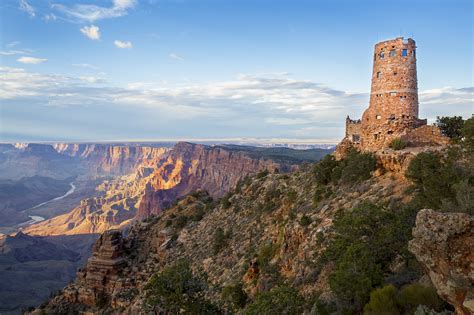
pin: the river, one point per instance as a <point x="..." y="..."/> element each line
<point x="70" y="191"/>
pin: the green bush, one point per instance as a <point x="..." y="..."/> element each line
<point x="220" y="240"/>
<point x="262" y="174"/>
<point x="198" y="214"/>
<point x="305" y="220"/>
<point x="398" y="144"/>
<point x="357" y="166"/>
<point x="323" y="170"/>
<point x="265" y="254"/>
<point x="416" y="294"/>
<point x="320" y="193"/>
<point x="451" y="126"/>
<point x="383" y="301"/>
<point x="235" y="295"/>
<point x="439" y="180"/>
<point x="291" y="195"/>
<point x="279" y="300"/>
<point x="355" y="275"/>
<point x="467" y="132"/>
<point x="176" y="290"/>
<point x="362" y="251"/>
<point x="181" y="221"/>
<point x="225" y="201"/>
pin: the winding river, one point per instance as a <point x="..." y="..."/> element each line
<point x="70" y="191"/>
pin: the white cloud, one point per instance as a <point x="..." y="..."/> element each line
<point x="26" y="7"/>
<point x="92" y="32"/>
<point x="15" y="52"/>
<point x="31" y="60"/>
<point x="123" y="44"/>
<point x="85" y="65"/>
<point x="274" y="106"/>
<point x="175" y="56"/>
<point x="13" y="44"/>
<point x="92" y="12"/>
<point x="50" y="17"/>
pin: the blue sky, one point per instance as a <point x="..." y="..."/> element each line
<point x="152" y="69"/>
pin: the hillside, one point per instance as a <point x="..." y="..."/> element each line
<point x="319" y="239"/>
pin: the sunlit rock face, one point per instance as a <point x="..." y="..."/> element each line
<point x="192" y="166"/>
<point x="159" y="179"/>
<point x="444" y="244"/>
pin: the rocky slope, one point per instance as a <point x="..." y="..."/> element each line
<point x="273" y="232"/>
<point x="444" y="244"/>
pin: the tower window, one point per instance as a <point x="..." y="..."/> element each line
<point x="413" y="53"/>
<point x="382" y="55"/>
<point x="394" y="73"/>
<point x="393" y="93"/>
<point x="404" y="52"/>
<point x="392" y="53"/>
<point x="379" y="74"/>
<point x="378" y="116"/>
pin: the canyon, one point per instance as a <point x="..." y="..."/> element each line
<point x="115" y="186"/>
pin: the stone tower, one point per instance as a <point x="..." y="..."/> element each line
<point x="393" y="108"/>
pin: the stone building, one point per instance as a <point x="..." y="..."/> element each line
<point x="393" y="108"/>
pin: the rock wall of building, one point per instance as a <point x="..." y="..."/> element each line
<point x="393" y="105"/>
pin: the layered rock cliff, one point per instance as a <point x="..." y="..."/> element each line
<point x="192" y="166"/>
<point x="444" y="244"/>
<point x="156" y="184"/>
<point x="112" y="159"/>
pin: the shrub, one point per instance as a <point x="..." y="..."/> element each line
<point x="262" y="174"/>
<point x="291" y="196"/>
<point x="176" y="290"/>
<point x="450" y="126"/>
<point x="226" y="202"/>
<point x="265" y="254"/>
<point x="437" y="179"/>
<point x="416" y="294"/>
<point x="398" y="144"/>
<point x="181" y="221"/>
<point x="362" y="251"/>
<point x="235" y="295"/>
<point x="279" y="300"/>
<point x="220" y="239"/>
<point x="324" y="169"/>
<point x="468" y="134"/>
<point x="383" y="301"/>
<point x="198" y="214"/>
<point x="305" y="220"/>
<point x="320" y="193"/>
<point x="355" y="275"/>
<point x="357" y="166"/>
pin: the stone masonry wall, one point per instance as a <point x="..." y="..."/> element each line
<point x="393" y="105"/>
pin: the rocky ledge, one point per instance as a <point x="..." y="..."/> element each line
<point x="444" y="244"/>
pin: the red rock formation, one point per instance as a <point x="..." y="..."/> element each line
<point x="112" y="159"/>
<point x="444" y="244"/>
<point x="102" y="268"/>
<point x="189" y="167"/>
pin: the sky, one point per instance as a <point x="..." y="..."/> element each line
<point x="116" y="70"/>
